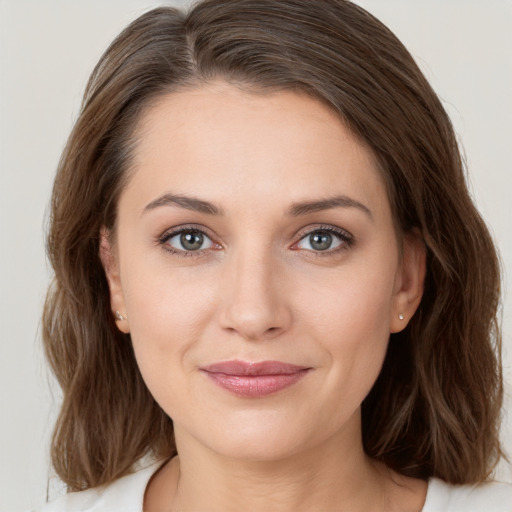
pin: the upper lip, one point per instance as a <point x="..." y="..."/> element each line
<point x="246" y="368"/>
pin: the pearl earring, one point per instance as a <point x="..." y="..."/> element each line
<point x="119" y="316"/>
<point x="400" y="316"/>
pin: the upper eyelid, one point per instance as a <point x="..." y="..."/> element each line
<point x="171" y="232"/>
<point x="301" y="232"/>
<point x="331" y="229"/>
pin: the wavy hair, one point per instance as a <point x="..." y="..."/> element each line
<point x="435" y="408"/>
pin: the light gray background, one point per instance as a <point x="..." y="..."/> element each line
<point x="47" y="50"/>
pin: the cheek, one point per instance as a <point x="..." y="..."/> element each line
<point x="352" y="302"/>
<point x="349" y="316"/>
<point x="168" y="309"/>
<point x="167" y="318"/>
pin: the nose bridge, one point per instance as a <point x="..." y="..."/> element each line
<point x="254" y="306"/>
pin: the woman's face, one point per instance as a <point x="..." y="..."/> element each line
<point x="257" y="229"/>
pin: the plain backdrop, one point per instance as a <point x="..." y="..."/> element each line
<point x="47" y="50"/>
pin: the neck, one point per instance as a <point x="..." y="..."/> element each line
<point x="335" y="475"/>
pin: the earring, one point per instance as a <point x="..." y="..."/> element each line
<point x="119" y="316"/>
<point x="400" y="316"/>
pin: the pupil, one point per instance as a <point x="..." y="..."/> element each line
<point x="320" y="241"/>
<point x="191" y="240"/>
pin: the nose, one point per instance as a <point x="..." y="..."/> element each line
<point x="254" y="299"/>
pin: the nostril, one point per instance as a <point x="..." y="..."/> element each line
<point x="272" y="331"/>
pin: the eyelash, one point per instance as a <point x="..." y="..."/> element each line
<point x="346" y="240"/>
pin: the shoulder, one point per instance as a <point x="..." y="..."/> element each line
<point x="486" y="497"/>
<point x="123" y="495"/>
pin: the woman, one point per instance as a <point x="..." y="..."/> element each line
<point x="272" y="289"/>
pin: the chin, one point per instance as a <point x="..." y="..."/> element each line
<point x="258" y="436"/>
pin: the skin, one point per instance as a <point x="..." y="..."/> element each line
<point x="259" y="290"/>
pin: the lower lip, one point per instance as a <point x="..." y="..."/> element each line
<point x="255" y="386"/>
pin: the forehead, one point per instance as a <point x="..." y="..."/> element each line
<point x="218" y="139"/>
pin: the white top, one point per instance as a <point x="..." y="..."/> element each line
<point x="127" y="495"/>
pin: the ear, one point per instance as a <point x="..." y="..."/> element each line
<point x="410" y="280"/>
<point x="110" y="264"/>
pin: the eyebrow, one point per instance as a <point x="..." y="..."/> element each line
<point x="187" y="202"/>
<point x="296" y="209"/>
<point x="303" y="208"/>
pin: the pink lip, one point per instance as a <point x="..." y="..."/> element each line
<point x="254" y="380"/>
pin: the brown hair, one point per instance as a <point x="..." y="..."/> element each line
<point x="434" y="410"/>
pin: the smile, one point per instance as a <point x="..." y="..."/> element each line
<point x="255" y="380"/>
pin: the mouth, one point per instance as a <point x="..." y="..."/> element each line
<point x="254" y="379"/>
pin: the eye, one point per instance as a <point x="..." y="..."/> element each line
<point x="324" y="240"/>
<point x="187" y="240"/>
